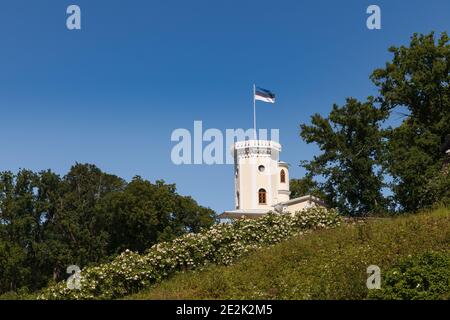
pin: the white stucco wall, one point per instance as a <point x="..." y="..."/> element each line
<point x="293" y="208"/>
<point x="249" y="156"/>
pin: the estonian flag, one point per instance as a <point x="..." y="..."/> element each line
<point x="264" y="95"/>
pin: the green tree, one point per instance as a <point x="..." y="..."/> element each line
<point x="77" y="231"/>
<point x="21" y="230"/>
<point x="417" y="78"/>
<point x="48" y="223"/>
<point x="305" y="186"/>
<point x="145" y="213"/>
<point x="14" y="272"/>
<point x="351" y="142"/>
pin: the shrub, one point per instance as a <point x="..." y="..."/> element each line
<point x="422" y="277"/>
<point x="329" y="264"/>
<point x="221" y="244"/>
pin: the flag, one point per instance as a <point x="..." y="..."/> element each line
<point x="264" y="95"/>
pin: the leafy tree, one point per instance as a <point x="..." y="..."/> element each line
<point x="77" y="233"/>
<point x="191" y="217"/>
<point x="146" y="213"/>
<point x="351" y="142"/>
<point x="305" y="186"/>
<point x="417" y="78"/>
<point x="437" y="189"/>
<point x="48" y="223"/>
<point x="17" y="228"/>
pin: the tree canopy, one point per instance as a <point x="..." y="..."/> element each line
<point x="360" y="158"/>
<point x="351" y="142"/>
<point x="48" y="222"/>
<point x="417" y="79"/>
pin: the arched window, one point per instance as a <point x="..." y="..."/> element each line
<point x="262" y="196"/>
<point x="283" y="176"/>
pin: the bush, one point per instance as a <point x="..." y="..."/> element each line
<point x="327" y="264"/>
<point x="221" y="244"/>
<point x="422" y="277"/>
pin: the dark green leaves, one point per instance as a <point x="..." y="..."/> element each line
<point x="351" y="142"/>
<point x="48" y="223"/>
<point x="358" y="156"/>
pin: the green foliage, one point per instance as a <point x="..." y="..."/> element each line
<point x="357" y="153"/>
<point x="221" y="244"/>
<point x="437" y="189"/>
<point x="145" y="213"/>
<point x="417" y="78"/>
<point x="420" y="277"/>
<point x="325" y="264"/>
<point x="305" y="186"/>
<point x="48" y="223"/>
<point x="351" y="142"/>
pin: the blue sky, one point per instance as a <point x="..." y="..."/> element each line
<point x="112" y="93"/>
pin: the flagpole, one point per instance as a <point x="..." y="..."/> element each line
<point x="254" y="112"/>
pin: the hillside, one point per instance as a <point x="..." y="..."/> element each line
<point x="222" y="244"/>
<point x="325" y="264"/>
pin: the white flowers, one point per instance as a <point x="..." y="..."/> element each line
<point x="221" y="244"/>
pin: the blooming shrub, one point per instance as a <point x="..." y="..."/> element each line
<point x="421" y="277"/>
<point x="221" y="244"/>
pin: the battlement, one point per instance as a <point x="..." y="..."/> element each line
<point x="257" y="144"/>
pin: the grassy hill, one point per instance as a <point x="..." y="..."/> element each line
<point x="325" y="264"/>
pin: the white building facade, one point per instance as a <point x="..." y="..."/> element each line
<point x="262" y="181"/>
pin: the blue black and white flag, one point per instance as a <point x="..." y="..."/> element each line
<point x="264" y="95"/>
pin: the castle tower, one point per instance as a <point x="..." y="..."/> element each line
<point x="261" y="180"/>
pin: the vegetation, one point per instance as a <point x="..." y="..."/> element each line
<point x="418" y="78"/>
<point x="48" y="223"/>
<point x="351" y="140"/>
<point x="330" y="264"/>
<point x="221" y="244"/>
<point x="360" y="158"/>
<point x="426" y="276"/>
<point x="305" y="186"/>
<point x="104" y="225"/>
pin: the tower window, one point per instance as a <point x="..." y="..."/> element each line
<point x="283" y="176"/>
<point x="262" y="196"/>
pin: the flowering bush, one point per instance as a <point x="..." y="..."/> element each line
<point x="420" y="277"/>
<point x="221" y="244"/>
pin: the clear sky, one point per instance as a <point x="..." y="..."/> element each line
<point x="112" y="93"/>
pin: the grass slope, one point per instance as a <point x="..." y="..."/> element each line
<point x="327" y="264"/>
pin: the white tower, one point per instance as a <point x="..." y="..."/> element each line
<point x="261" y="180"/>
